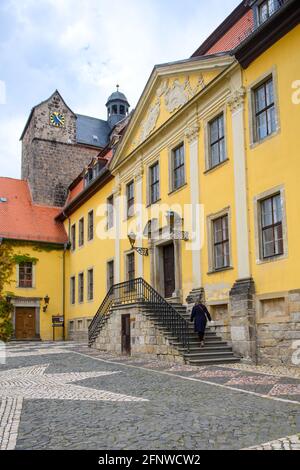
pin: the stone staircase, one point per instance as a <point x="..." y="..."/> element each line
<point x="215" y="350"/>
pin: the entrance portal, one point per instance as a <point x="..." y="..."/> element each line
<point x="25" y="323"/>
<point x="169" y="270"/>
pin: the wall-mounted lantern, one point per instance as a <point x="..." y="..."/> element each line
<point x="140" y="250"/>
<point x="46" y="300"/>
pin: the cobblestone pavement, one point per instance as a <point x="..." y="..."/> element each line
<point x="66" y="396"/>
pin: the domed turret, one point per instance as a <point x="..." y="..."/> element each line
<point x="117" y="107"/>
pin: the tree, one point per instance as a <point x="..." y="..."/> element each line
<point x="6" y="269"/>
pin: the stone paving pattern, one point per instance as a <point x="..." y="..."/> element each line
<point x="172" y="406"/>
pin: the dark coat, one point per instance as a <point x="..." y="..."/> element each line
<point x="200" y="315"/>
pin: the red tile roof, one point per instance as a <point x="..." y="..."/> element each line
<point x="20" y="219"/>
<point x="75" y="191"/>
<point x="235" y="35"/>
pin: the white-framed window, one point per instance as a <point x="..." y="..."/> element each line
<point x="81" y="232"/>
<point x="110" y="212"/>
<point x="154" y="183"/>
<point x="270" y="225"/>
<point x="221" y="251"/>
<point x="25" y="275"/>
<point x="90" y="284"/>
<point x="130" y="198"/>
<point x="90" y="225"/>
<point x="81" y="288"/>
<point x="219" y="241"/>
<point x="72" y="290"/>
<point x="217" y="146"/>
<point x="263" y="108"/>
<point x="73" y="237"/>
<point x="177" y="167"/>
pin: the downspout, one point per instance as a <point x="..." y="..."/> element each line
<point x="66" y="246"/>
<point x="64" y="291"/>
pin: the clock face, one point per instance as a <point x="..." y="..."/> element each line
<point x="57" y="119"/>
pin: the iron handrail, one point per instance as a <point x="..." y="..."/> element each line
<point x="139" y="291"/>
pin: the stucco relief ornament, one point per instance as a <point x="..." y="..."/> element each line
<point x="151" y="120"/>
<point x="236" y="99"/>
<point x="176" y="96"/>
<point x="193" y="91"/>
<point x="192" y="132"/>
<point x="162" y="89"/>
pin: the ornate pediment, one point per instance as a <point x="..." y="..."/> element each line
<point x="170" y="87"/>
<point x="172" y="94"/>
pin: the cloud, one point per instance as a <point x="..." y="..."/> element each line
<point x="85" y="48"/>
<point x="10" y="148"/>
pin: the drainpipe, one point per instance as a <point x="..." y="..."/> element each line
<point x="66" y="246"/>
<point x="64" y="290"/>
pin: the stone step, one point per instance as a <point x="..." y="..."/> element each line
<point x="223" y="360"/>
<point x="209" y="341"/>
<point x="209" y="354"/>
<point x="217" y="348"/>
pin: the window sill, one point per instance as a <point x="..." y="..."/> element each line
<point x="213" y="168"/>
<point x="177" y="189"/>
<point x="256" y="143"/>
<point x="26" y="288"/>
<point x="272" y="259"/>
<point x="153" y="203"/>
<point x="129" y="217"/>
<point x="221" y="270"/>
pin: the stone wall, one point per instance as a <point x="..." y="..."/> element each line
<point x="262" y="329"/>
<point x="51" y="159"/>
<point x="53" y="166"/>
<point x="146" y="339"/>
<point x="277" y="335"/>
<point x="78" y="329"/>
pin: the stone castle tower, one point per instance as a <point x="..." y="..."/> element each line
<point x="57" y="144"/>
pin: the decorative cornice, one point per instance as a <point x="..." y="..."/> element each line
<point x="192" y="132"/>
<point x="236" y="99"/>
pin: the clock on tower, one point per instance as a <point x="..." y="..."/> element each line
<point x="57" y="119"/>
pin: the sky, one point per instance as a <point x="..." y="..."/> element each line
<point x="84" y="48"/>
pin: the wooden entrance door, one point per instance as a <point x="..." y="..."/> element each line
<point x="25" y="323"/>
<point x="126" y="337"/>
<point x="169" y="270"/>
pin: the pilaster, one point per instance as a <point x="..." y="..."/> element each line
<point x="192" y="135"/>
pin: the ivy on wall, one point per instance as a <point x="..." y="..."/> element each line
<point x="7" y="264"/>
<point x="19" y="259"/>
<point x="36" y="246"/>
<point x="8" y="259"/>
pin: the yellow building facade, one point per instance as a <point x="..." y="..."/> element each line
<point x="204" y="180"/>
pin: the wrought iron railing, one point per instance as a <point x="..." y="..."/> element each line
<point x="139" y="291"/>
